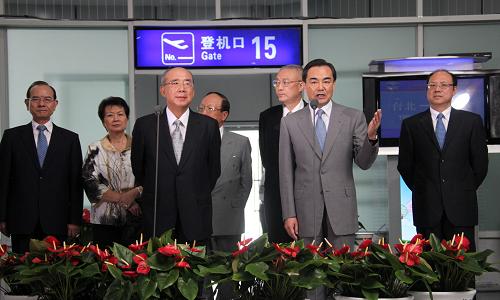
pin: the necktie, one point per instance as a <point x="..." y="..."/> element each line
<point x="320" y="129"/>
<point x="42" y="144"/>
<point x="440" y="130"/>
<point x="177" y="140"/>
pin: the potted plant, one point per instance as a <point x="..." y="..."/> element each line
<point x="454" y="266"/>
<point x="10" y="286"/>
<point x="375" y="271"/>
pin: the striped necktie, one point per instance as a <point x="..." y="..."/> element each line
<point x="177" y="140"/>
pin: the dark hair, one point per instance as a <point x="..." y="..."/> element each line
<point x="112" y="101"/>
<point x="453" y="77"/>
<point x="40" y="82"/>
<point x="225" y="105"/>
<point x="319" y="62"/>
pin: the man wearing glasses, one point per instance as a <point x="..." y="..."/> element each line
<point x="231" y="191"/>
<point x="188" y="163"/>
<point x="40" y="175"/>
<point x="288" y="86"/>
<point x="443" y="158"/>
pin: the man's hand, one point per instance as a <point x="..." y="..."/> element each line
<point x="128" y="198"/>
<point x="73" y="230"/>
<point x="292" y="227"/>
<point x="3" y="229"/>
<point x="374" y="125"/>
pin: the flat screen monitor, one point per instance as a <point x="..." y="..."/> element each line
<point x="402" y="97"/>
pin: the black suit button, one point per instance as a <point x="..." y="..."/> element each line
<point x="444" y="180"/>
<point x="442" y="161"/>
<point x="41" y="177"/>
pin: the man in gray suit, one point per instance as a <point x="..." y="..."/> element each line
<point x="231" y="191"/>
<point x="318" y="145"/>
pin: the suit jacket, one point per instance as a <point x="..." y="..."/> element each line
<point x="443" y="180"/>
<point x="269" y="135"/>
<point x="184" y="190"/>
<point x="231" y="191"/>
<point x="52" y="194"/>
<point x="311" y="180"/>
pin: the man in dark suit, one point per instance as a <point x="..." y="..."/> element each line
<point x="231" y="191"/>
<point x="188" y="163"/>
<point x="443" y="158"/>
<point x="40" y="175"/>
<point x="288" y="86"/>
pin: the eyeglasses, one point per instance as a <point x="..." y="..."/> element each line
<point x="285" y="82"/>
<point x="177" y="83"/>
<point x="37" y="99"/>
<point x="315" y="82"/>
<point x="210" y="108"/>
<point x="443" y="86"/>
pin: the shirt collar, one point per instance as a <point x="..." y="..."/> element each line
<point x="49" y="125"/>
<point x="327" y="109"/>
<point x="446" y="113"/>
<point x="221" y="129"/>
<point x="171" y="117"/>
<point x="297" y="107"/>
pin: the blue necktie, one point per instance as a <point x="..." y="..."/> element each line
<point x="440" y="130"/>
<point x="320" y="129"/>
<point x="42" y="144"/>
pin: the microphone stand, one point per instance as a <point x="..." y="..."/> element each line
<point x="157" y="112"/>
<point x="314" y="105"/>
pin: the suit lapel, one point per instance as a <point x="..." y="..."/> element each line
<point x="29" y="141"/>
<point x="55" y="139"/>
<point x="337" y="118"/>
<point x="306" y="126"/>
<point x="225" y="150"/>
<point x="452" y="130"/>
<point x="426" y="122"/>
<point x="166" y="139"/>
<point x="192" y="135"/>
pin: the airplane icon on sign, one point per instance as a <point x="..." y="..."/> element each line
<point x="177" y="43"/>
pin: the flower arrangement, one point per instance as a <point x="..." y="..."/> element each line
<point x="162" y="268"/>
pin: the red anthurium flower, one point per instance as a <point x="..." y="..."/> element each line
<point x="314" y="249"/>
<point x="417" y="238"/>
<point x="345" y="249"/>
<point x="242" y="247"/>
<point x="458" y="242"/>
<point x="143" y="268"/>
<point x="52" y="242"/>
<point x="409" y="253"/>
<point x="130" y="274"/>
<point x="36" y="260"/>
<point x="194" y="249"/>
<point x="138" y="258"/>
<point x="183" y="264"/>
<point x="365" y="244"/>
<point x="288" y="251"/>
<point x="240" y="251"/>
<point x="169" y="250"/>
<point x="137" y="246"/>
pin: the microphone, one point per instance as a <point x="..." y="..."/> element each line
<point x="314" y="104"/>
<point x="157" y="110"/>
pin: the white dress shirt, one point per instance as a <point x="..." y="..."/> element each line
<point x="48" y="132"/>
<point x="327" y="109"/>
<point x="184" y="120"/>
<point x="446" y="113"/>
<point x="297" y="107"/>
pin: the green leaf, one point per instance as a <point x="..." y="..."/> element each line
<point x="115" y="272"/>
<point x="166" y="238"/>
<point x="160" y="262"/>
<point x="242" y="276"/>
<point x="119" y="290"/>
<point x="370" y="294"/>
<point x="122" y="252"/>
<point x="167" y="279"/>
<point x="188" y="289"/>
<point x="258" y="270"/>
<point x="146" y="287"/>
<point x="218" y="269"/>
<point x="91" y="271"/>
<point x="401" y="275"/>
